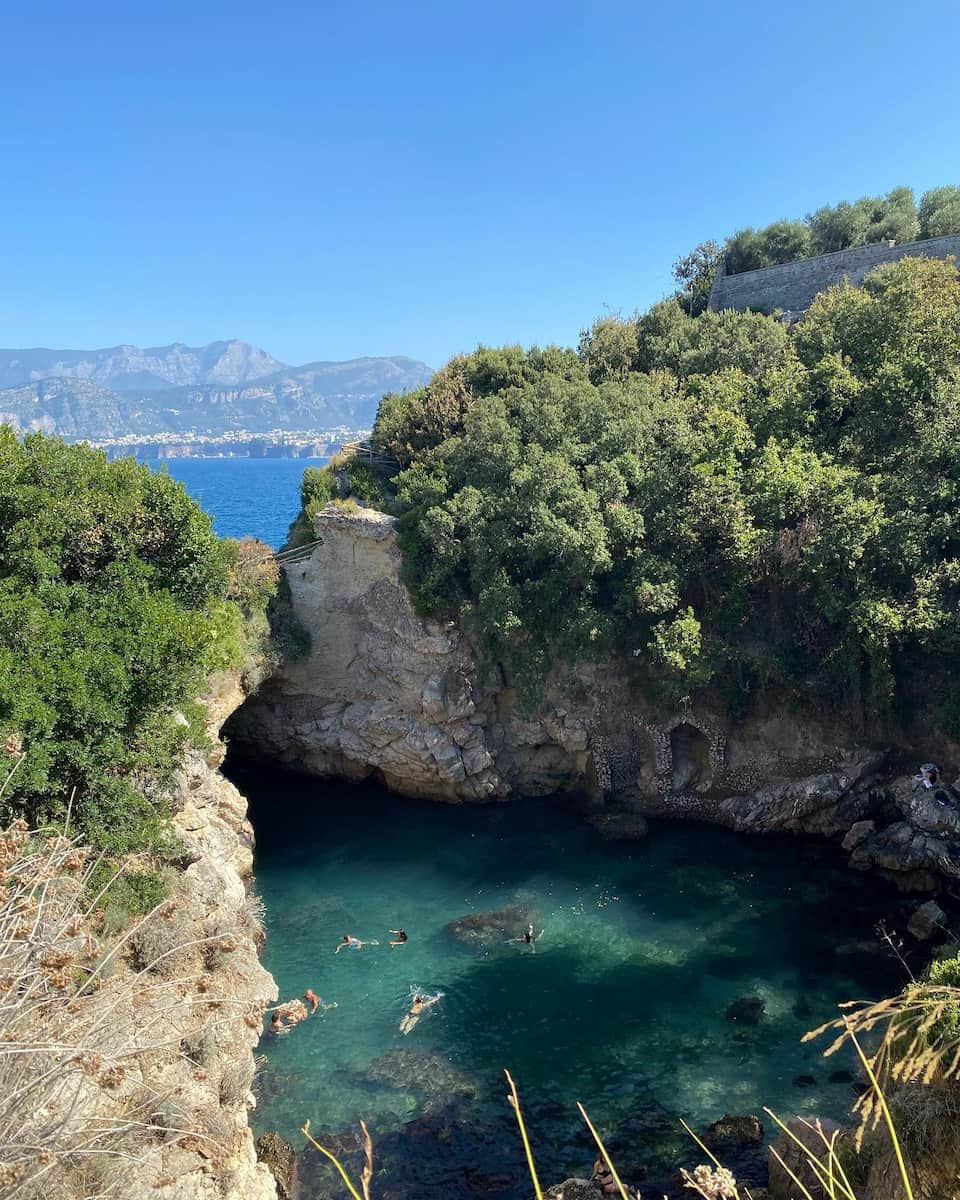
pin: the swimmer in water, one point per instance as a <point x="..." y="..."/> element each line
<point x="529" y="938"/>
<point x="401" y="937"/>
<point x="352" y="943"/>
<point x="315" y="1002"/>
<point x="419" y="1006"/>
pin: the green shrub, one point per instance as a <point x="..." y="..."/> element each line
<point x="113" y="611"/>
<point x="740" y="504"/>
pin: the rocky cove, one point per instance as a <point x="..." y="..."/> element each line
<point x="388" y="698"/>
<point x="385" y="695"/>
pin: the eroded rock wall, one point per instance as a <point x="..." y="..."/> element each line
<point x="387" y="695"/>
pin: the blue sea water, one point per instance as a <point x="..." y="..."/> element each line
<point x="622" y="1004"/>
<point x="256" y="497"/>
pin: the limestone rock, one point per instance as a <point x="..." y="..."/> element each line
<point x="618" y="826"/>
<point x="746" y="1010"/>
<point x="859" y="831"/>
<point x="927" y="921"/>
<point x="281" y="1159"/>
<point x="575" y="1189"/>
<point x="911" y="856"/>
<point x="499" y="925"/>
<point x="808" y="1132"/>
<point x="734" y="1131"/>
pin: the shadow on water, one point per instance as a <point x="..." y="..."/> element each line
<point x="624" y="1004"/>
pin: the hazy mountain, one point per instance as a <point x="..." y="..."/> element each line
<point x="89" y="394"/>
<point x="124" y="367"/>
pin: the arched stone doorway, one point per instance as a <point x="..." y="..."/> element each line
<point x="690" y="765"/>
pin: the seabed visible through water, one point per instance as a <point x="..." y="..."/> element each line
<point x="623" y="1005"/>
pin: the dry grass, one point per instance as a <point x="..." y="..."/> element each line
<point x="88" y="1029"/>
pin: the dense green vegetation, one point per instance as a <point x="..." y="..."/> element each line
<point x="116" y="602"/>
<point x="895" y="217"/>
<point x="717" y="501"/>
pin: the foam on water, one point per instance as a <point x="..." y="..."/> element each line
<point x="622" y="1004"/>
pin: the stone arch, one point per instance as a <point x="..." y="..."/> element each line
<point x="690" y="758"/>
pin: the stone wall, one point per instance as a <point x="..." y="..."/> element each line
<point x="793" y="286"/>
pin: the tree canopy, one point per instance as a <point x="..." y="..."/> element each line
<point x="895" y="216"/>
<point x="718" y="500"/>
<point x="113" y="609"/>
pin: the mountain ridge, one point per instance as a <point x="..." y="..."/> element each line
<point x="212" y="390"/>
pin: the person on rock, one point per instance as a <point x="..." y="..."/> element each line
<point x="604" y="1177"/>
<point x="401" y="937"/>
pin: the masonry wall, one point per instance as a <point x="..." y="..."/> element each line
<point x="793" y="286"/>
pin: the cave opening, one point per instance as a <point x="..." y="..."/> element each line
<point x="689" y="758"/>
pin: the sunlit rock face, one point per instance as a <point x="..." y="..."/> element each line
<point x="385" y="694"/>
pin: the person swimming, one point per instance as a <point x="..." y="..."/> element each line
<point x="418" y="1007"/>
<point x="353" y="943"/>
<point x="529" y="938"/>
<point x="288" y="1014"/>
<point x="401" y="937"/>
<point x="312" y="999"/>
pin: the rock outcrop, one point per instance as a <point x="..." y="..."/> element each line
<point x="210" y="1078"/>
<point x="387" y="695"/>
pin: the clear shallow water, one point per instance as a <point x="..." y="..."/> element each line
<point x="255" y="497"/>
<point x="623" y="1005"/>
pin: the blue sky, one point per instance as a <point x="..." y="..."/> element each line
<point x="333" y="180"/>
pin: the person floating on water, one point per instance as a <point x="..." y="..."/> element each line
<point x="401" y="937"/>
<point x="418" y="1007"/>
<point x="529" y="938"/>
<point x="353" y="943"/>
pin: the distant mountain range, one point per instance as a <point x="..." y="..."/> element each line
<point x="212" y="390"/>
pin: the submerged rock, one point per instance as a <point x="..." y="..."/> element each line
<point x="747" y="1010"/>
<point x="428" y="1075"/>
<point x="496" y="926"/>
<point x="734" y="1131"/>
<point x="618" y="826"/>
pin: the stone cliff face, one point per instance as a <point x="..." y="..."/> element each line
<point x="385" y="694"/>
<point x="209" y="1073"/>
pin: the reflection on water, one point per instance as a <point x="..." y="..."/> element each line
<point x="629" y="1001"/>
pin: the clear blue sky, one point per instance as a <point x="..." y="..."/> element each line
<point x="408" y="177"/>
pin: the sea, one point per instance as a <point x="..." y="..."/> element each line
<point x="246" y="497"/>
<point x="671" y="979"/>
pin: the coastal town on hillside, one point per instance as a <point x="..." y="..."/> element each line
<point x="240" y="443"/>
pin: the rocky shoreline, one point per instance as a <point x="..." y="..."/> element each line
<point x="385" y="695"/>
<point x="210" y="1074"/>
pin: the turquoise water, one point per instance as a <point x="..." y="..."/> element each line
<point x="256" y="497"/>
<point x="623" y="1004"/>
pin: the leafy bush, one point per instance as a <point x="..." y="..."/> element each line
<point x="113" y="610"/>
<point x="741" y="503"/>
<point x="895" y="217"/>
